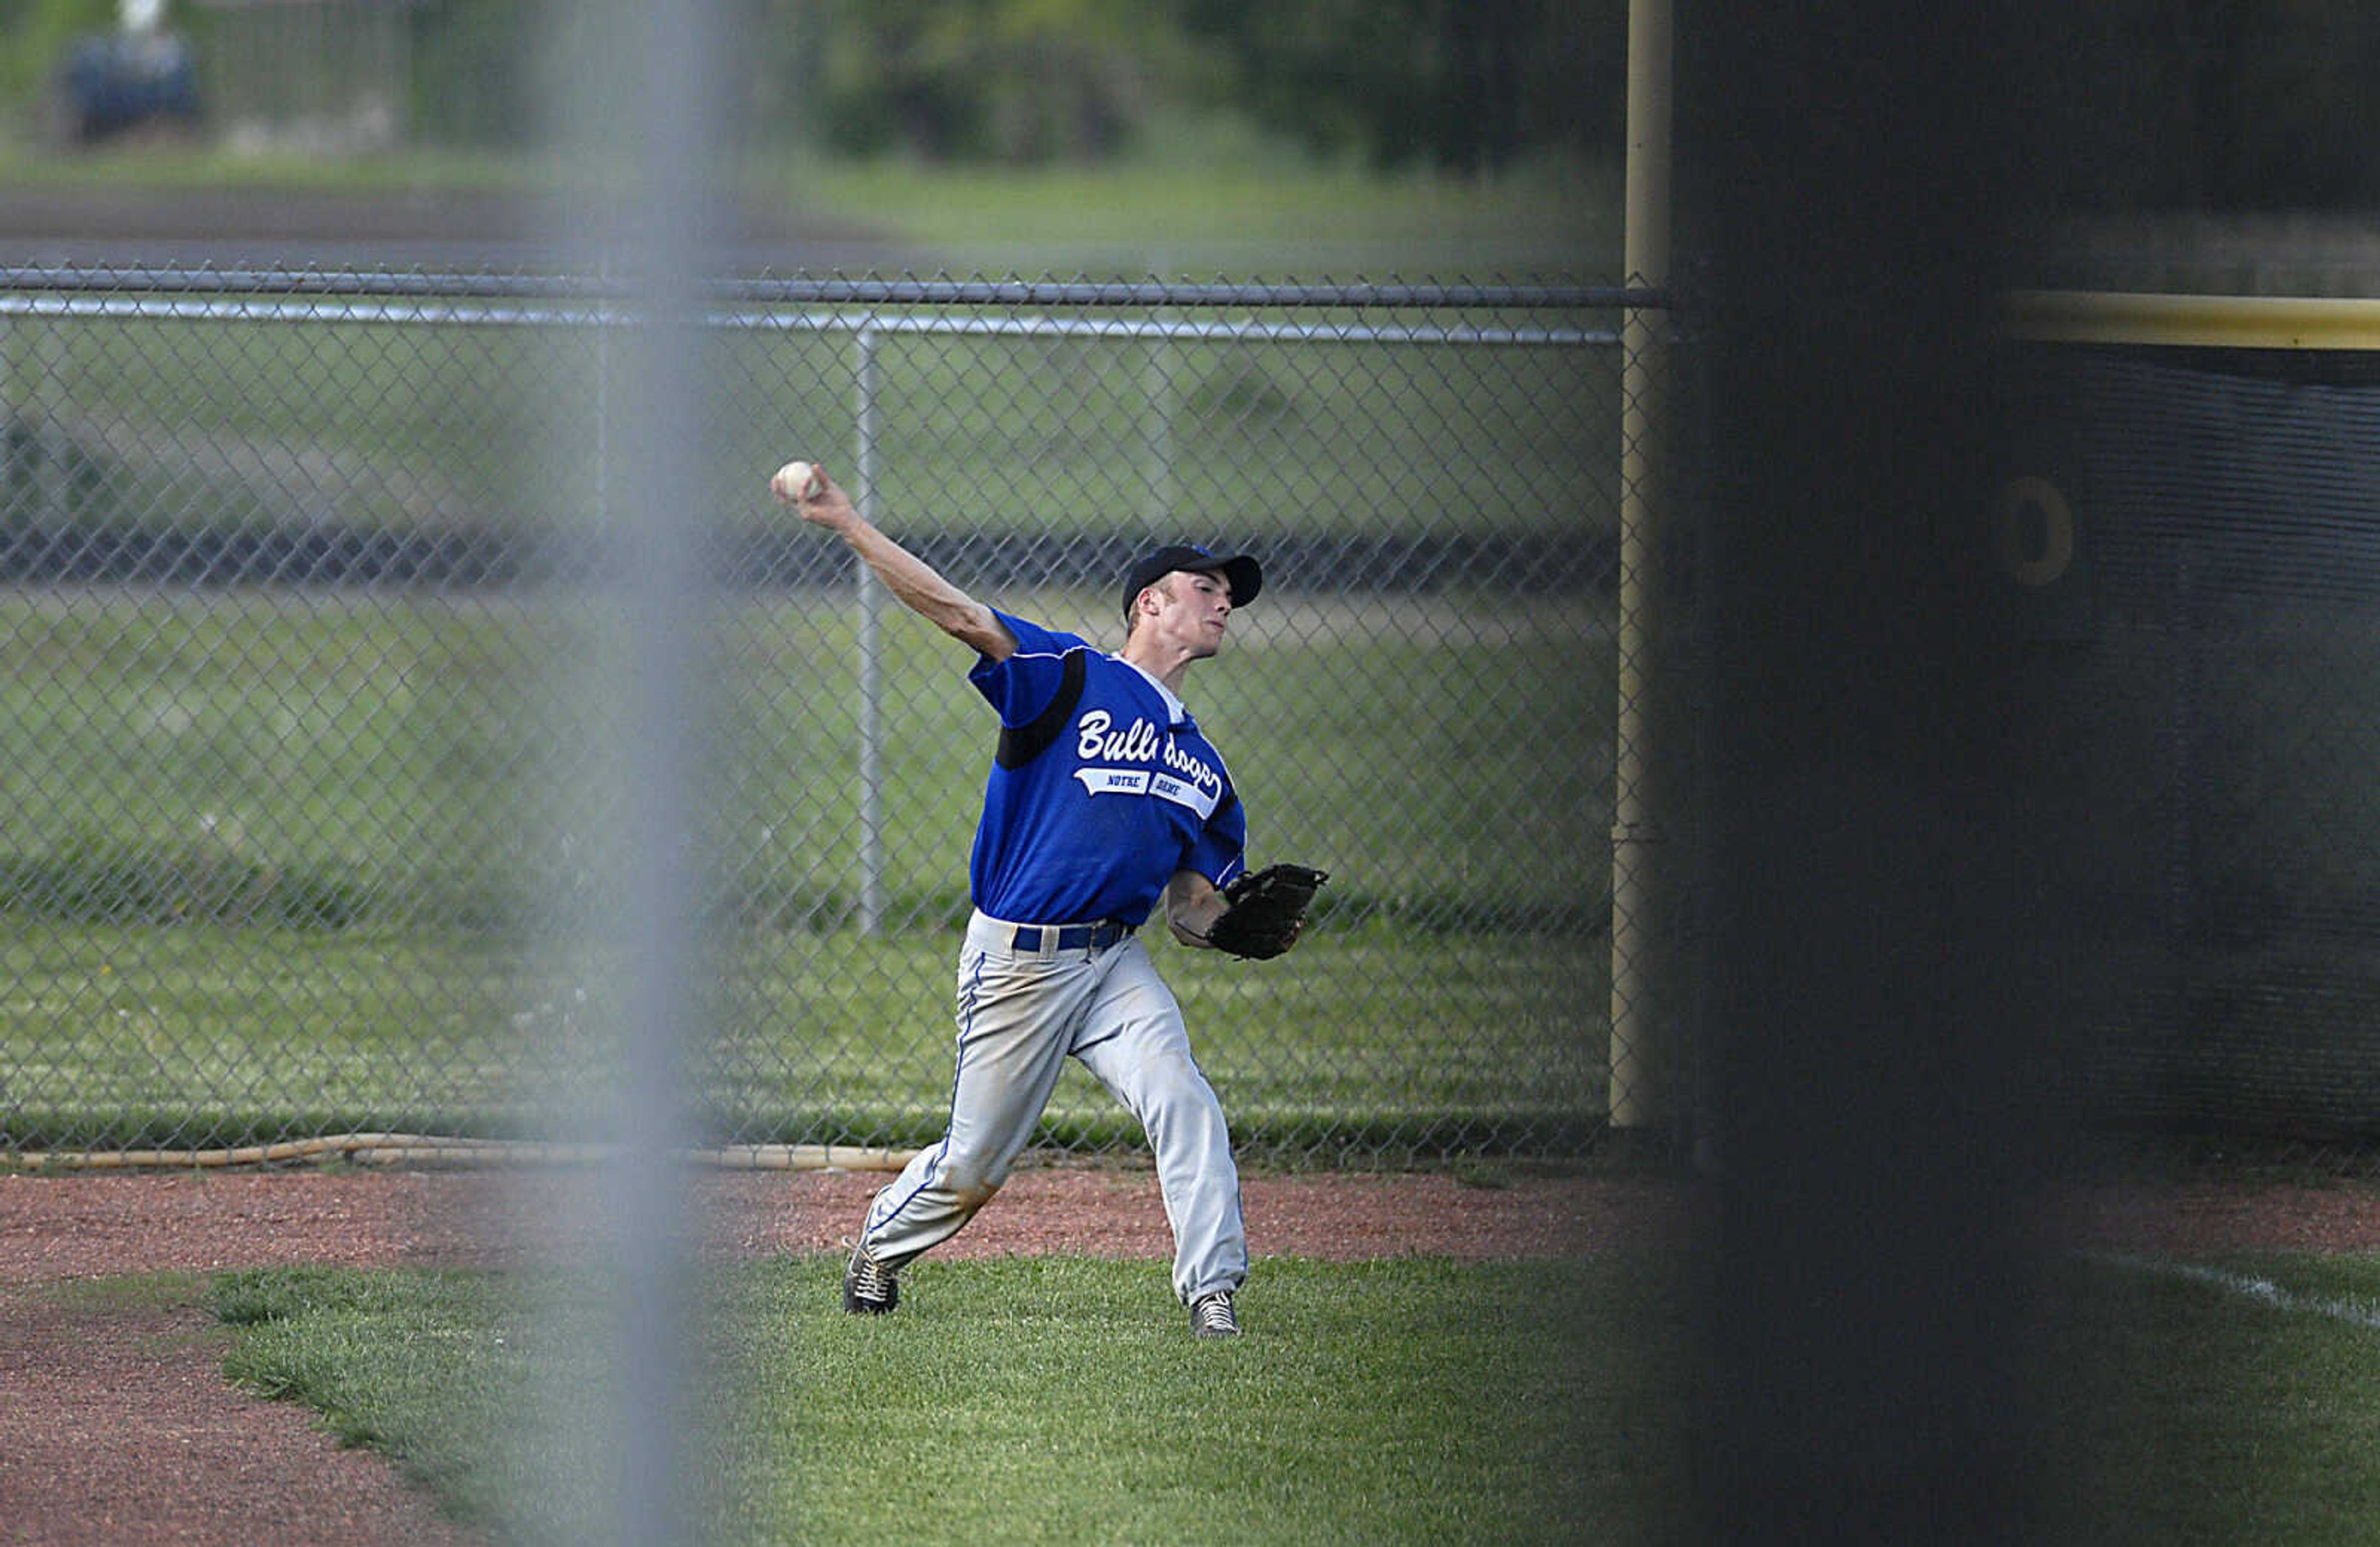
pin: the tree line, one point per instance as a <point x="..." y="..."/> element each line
<point x="2187" y="103"/>
<point x="1463" y="84"/>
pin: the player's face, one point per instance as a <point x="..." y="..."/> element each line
<point x="1194" y="609"/>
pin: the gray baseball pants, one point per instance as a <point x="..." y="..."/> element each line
<point x="1021" y="1013"/>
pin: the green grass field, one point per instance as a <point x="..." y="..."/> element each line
<point x="1031" y="1399"/>
<point x="1200" y="212"/>
<point x="207" y="1036"/>
<point x="1195" y="206"/>
<point x="1401" y="1401"/>
<point x="2232" y="1408"/>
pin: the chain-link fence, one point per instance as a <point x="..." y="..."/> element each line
<point x="295" y="569"/>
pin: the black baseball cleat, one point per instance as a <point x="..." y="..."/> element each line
<point x="1210" y="1316"/>
<point x="867" y="1286"/>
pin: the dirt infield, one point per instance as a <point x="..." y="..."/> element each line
<point x="89" y="1225"/>
<point x="117" y="1427"/>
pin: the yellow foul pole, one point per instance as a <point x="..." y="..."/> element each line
<point x="1640" y="883"/>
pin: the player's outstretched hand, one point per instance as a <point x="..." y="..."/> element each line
<point x="815" y="497"/>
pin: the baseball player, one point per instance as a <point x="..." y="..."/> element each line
<point x="1104" y="799"/>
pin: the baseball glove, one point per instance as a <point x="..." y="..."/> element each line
<point x="1263" y="910"/>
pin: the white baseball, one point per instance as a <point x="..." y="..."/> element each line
<point x="797" y="481"/>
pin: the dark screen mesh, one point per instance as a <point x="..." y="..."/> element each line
<point x="2209" y="653"/>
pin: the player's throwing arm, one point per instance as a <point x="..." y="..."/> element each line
<point x="819" y="501"/>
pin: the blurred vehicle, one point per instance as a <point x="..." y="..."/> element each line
<point x="123" y="80"/>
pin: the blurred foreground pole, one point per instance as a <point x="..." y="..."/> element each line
<point x="647" y="112"/>
<point x="1876" y="892"/>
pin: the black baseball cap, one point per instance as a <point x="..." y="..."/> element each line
<point x="1242" y="569"/>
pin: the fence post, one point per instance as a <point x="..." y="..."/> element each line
<point x="49" y="445"/>
<point x="12" y="418"/>
<point x="1641" y="945"/>
<point x="1158" y="369"/>
<point x="607" y="316"/>
<point x="871" y="674"/>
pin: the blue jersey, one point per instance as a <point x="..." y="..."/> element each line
<point x="1091" y="808"/>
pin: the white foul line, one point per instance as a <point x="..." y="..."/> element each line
<point x="2264" y="1291"/>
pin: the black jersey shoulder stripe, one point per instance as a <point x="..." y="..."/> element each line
<point x="1021" y="743"/>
